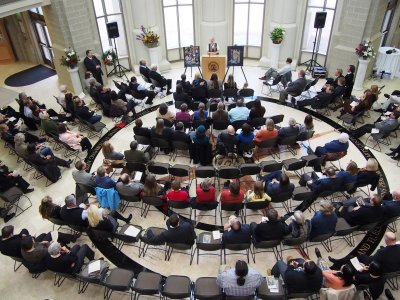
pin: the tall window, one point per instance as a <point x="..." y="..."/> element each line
<point x="324" y="36"/>
<point x="110" y="11"/>
<point x="178" y="23"/>
<point x="248" y="22"/>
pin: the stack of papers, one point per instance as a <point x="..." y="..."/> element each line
<point x="132" y="231"/>
<point x="206" y="238"/>
<point x="374" y="130"/>
<point x="216" y="234"/>
<point x="272" y="283"/>
<point x="356" y="264"/>
<point x="138" y="176"/>
<point x="94" y="266"/>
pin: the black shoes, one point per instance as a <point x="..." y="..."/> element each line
<point x="27" y="191"/>
<point x="386" y="95"/>
<point x="318" y="253"/>
<point x="332" y="260"/>
<point x="128" y="219"/>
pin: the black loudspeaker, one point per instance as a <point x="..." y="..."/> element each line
<point x="112" y="30"/>
<point x="320" y="18"/>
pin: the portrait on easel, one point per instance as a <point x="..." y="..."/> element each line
<point x="191" y="56"/>
<point x="235" y="56"/>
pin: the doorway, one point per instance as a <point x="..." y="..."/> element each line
<point x="42" y="35"/>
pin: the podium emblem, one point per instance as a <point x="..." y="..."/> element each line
<point x="213" y="66"/>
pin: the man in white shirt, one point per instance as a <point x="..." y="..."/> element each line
<point x="272" y="73"/>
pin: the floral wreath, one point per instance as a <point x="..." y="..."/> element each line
<point x="109" y="57"/>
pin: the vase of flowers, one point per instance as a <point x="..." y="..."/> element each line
<point x="109" y="57"/>
<point x="365" y="50"/>
<point x="70" y="59"/>
<point x="148" y="37"/>
<point x="277" y="35"/>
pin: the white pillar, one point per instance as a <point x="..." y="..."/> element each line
<point x="155" y="55"/>
<point x="274" y="50"/>
<point x="360" y="76"/>
<point x="76" y="81"/>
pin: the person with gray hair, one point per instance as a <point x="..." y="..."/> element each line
<point x="136" y="156"/>
<point x="324" y="220"/>
<point x="205" y="195"/>
<point x="161" y="80"/>
<point x="62" y="260"/>
<point x="339" y="145"/>
<point x="73" y="214"/>
<point x="127" y="187"/>
<point x="21" y="147"/>
<point x="298" y="228"/>
<point x="103" y="180"/>
<point x="292" y="130"/>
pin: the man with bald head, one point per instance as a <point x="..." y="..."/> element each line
<point x="127" y="187"/>
<point x="236" y="233"/>
<point x="136" y="156"/>
<point x="391" y="207"/>
<point x="226" y="141"/>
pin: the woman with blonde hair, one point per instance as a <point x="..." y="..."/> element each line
<point x="368" y="175"/>
<point x="258" y="194"/>
<point x="230" y="83"/>
<point x="100" y="219"/>
<point x="324" y="220"/>
<point x="350" y="175"/>
<point x="109" y="153"/>
<point x="298" y="227"/>
<point x="267" y="133"/>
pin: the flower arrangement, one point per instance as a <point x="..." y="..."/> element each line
<point x="70" y="59"/>
<point x="365" y="50"/>
<point x="148" y="37"/>
<point x="277" y="35"/>
<point x="109" y="57"/>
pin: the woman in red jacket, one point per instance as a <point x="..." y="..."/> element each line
<point x="176" y="193"/>
<point x="205" y="195"/>
<point x="233" y="193"/>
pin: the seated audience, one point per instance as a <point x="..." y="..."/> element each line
<point x="258" y="193"/>
<point x="230" y="83"/>
<point x="362" y="214"/>
<point x="236" y="233"/>
<point x="198" y="81"/>
<point x="140" y="91"/>
<point x="42" y="161"/>
<point x="161" y="132"/>
<point x="104" y="95"/>
<point x="231" y="193"/>
<point x="220" y="115"/>
<point x="240" y="112"/>
<point x="298" y="227"/>
<point x="349" y="81"/>
<point x="8" y="133"/>
<point x="62" y="260"/>
<point x="180" y="96"/>
<point x="144" y="71"/>
<point x="166" y="114"/>
<point x="291" y="130"/>
<point x="384" y="126"/>
<point x="394" y="154"/>
<point x="334" y="82"/>
<point x="227" y="141"/>
<point x="136" y="156"/>
<point x="393" y="98"/>
<point x="324" y="220"/>
<point x="48" y="209"/>
<point x="299" y="276"/>
<point x="308" y="124"/>
<point x="109" y="153"/>
<point x="120" y="106"/>
<point x="277" y="183"/>
<point x="183" y="115"/>
<point x="21" y="147"/>
<point x="127" y="187"/>
<point x="84" y="113"/>
<point x="353" y="105"/>
<point x="179" y="134"/>
<point x="81" y="176"/>
<point x="266" y="133"/>
<point x="321" y="100"/>
<point x="10" y="243"/>
<point x="186" y="85"/>
<point x="246" y="134"/>
<point x="179" y="231"/>
<point x="273" y="73"/>
<point x="103" y="180"/>
<point x="294" y="88"/>
<point x="205" y="195"/>
<point x="9" y="179"/>
<point x="350" y="175"/>
<point x="391" y="206"/>
<point x="75" y="140"/>
<point x="48" y="125"/>
<point x="214" y="82"/>
<point x="73" y="214"/>
<point x="201" y="114"/>
<point x="177" y="193"/>
<point x="140" y="130"/>
<point x="88" y="78"/>
<point x="101" y="219"/>
<point x="327" y="182"/>
<point x="257" y="111"/>
<point x="153" y="189"/>
<point x="200" y="150"/>
<point x="368" y="175"/>
<point x="335" y="146"/>
<point x="271" y="228"/>
<point x="240" y="281"/>
<point x="153" y="74"/>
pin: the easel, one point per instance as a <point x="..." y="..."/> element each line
<point x="311" y="63"/>
<point x="233" y="72"/>
<point x="191" y="70"/>
<point x="118" y="70"/>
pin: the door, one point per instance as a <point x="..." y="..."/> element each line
<point x="42" y="35"/>
<point x="6" y="51"/>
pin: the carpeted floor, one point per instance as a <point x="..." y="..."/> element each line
<point x="29" y="76"/>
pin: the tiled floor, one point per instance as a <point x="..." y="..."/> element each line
<point x="20" y="285"/>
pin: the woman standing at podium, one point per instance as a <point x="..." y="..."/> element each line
<point x="213" y="48"/>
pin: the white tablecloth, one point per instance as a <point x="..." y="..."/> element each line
<point x="390" y="63"/>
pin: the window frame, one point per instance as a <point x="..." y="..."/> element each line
<point x="177" y="5"/>
<point x="105" y="16"/>
<point x="248" y="2"/>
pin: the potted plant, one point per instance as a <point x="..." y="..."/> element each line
<point x="277" y="35"/>
<point x="70" y="59"/>
<point x="148" y="37"/>
<point x="365" y="50"/>
<point x="109" y="57"/>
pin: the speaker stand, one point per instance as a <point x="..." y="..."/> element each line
<point x="118" y="69"/>
<point x="311" y="63"/>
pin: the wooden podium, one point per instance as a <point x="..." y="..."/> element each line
<point x="213" y="64"/>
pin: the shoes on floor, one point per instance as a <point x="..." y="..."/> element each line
<point x="318" y="253"/>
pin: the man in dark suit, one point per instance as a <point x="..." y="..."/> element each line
<point x="136" y="156"/>
<point x="320" y="100"/>
<point x="384" y="126"/>
<point x="294" y="88"/>
<point x="362" y="214"/>
<point x="179" y="134"/>
<point x="186" y="85"/>
<point x="10" y="244"/>
<point x="62" y="260"/>
<point x="82" y="177"/>
<point x="292" y="130"/>
<point x="277" y="183"/>
<point x="236" y="233"/>
<point x="139" y="91"/>
<point x="178" y="232"/>
<point x="391" y="207"/>
<point x="326" y="183"/>
<point x="73" y="214"/>
<point x="153" y="74"/>
<point x="144" y="69"/>
<point x="93" y="64"/>
<point x="271" y="229"/>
